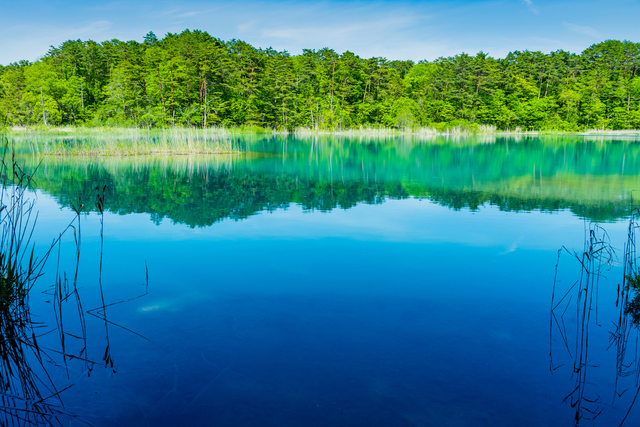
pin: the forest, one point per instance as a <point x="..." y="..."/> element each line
<point x="195" y="80"/>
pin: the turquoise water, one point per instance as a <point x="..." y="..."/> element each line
<point x="342" y="282"/>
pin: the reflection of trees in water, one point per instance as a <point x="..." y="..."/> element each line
<point x="579" y="302"/>
<point x="200" y="192"/>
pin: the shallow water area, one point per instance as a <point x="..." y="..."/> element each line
<point x="341" y="281"/>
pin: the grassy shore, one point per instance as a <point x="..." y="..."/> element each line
<point x="438" y="129"/>
<point x="119" y="142"/>
<point x="457" y="130"/>
<point x="126" y="141"/>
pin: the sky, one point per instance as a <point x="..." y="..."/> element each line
<point x="405" y="29"/>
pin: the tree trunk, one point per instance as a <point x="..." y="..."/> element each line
<point x="44" y="115"/>
<point x="204" y="124"/>
<point x="332" y="80"/>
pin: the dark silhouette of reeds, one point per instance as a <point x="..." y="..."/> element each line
<point x="28" y="394"/>
<point x="596" y="258"/>
<point x="101" y="312"/>
<point x="628" y="301"/>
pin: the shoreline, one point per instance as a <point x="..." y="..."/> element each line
<point x="205" y="133"/>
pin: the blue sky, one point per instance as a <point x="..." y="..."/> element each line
<point x="393" y="29"/>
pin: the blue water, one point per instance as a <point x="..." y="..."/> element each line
<point x="404" y="313"/>
<point x="400" y="313"/>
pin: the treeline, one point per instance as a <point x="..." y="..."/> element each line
<point x="193" y="79"/>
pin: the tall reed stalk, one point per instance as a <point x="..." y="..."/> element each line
<point x="25" y="396"/>
<point x="135" y="142"/>
<point x="580" y="301"/>
<point x="28" y="394"/>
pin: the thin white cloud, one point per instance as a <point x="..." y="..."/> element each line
<point x="246" y="26"/>
<point x="165" y="13"/>
<point x="532" y="7"/>
<point x="112" y="6"/>
<point x="187" y="14"/>
<point x="97" y="27"/>
<point x="51" y="32"/>
<point x="175" y="12"/>
<point x="369" y="31"/>
<point x="582" y="30"/>
<point x="315" y="33"/>
<point x="38" y="38"/>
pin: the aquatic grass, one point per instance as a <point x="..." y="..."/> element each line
<point x="121" y="148"/>
<point x="135" y="142"/>
<point x="132" y="132"/>
<point x="121" y="142"/>
<point x="597" y="257"/>
<point x="439" y="129"/>
<point x="628" y="301"/>
<point x="28" y="393"/>
<point x="25" y="396"/>
<point x="453" y="128"/>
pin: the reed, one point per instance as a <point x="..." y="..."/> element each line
<point x="459" y="128"/>
<point x="596" y="258"/>
<point x="25" y="397"/>
<point x="86" y="131"/>
<point x="28" y="394"/>
<point x="135" y="142"/>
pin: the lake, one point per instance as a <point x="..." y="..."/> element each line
<point x="329" y="280"/>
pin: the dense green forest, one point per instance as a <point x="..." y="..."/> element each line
<point x="194" y="79"/>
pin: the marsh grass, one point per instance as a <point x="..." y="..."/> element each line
<point x="596" y="258"/>
<point x="135" y="142"/>
<point x="628" y="302"/>
<point x="28" y="393"/>
<point x="439" y="129"/>
<point x="26" y="398"/>
<point x="453" y="128"/>
<point x="128" y="131"/>
<point x="457" y="128"/>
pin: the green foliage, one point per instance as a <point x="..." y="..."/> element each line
<point x="195" y="80"/>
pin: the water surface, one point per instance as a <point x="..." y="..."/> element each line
<point x="336" y="281"/>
